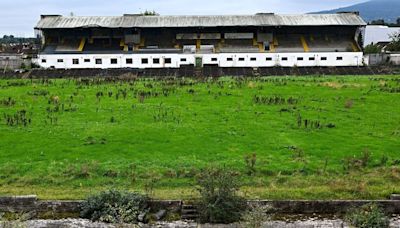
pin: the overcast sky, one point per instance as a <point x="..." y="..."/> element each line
<point x="18" y="17"/>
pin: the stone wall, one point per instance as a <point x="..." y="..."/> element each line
<point x="60" y="209"/>
<point x="324" y="206"/>
<point x="65" y="208"/>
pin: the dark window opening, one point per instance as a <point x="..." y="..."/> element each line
<point x="129" y="61"/>
<point x="114" y="61"/>
<point x="168" y="61"/>
<point x="86" y="60"/>
<point x="253" y="59"/>
<point x="98" y="61"/>
<point x="300" y="58"/>
<point x="75" y="61"/>
<point x="60" y="60"/>
<point x="339" y="58"/>
<point x="214" y="59"/>
<point x="241" y="59"/>
<point x="43" y="60"/>
<point x="311" y="58"/>
<point x="156" y="61"/>
<point x="229" y="59"/>
<point x="284" y="58"/>
<point x="324" y="58"/>
<point x="183" y="60"/>
<point x="145" y="61"/>
<point x="268" y="59"/>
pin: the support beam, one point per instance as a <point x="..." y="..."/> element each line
<point x="198" y="44"/>
<point x="304" y="43"/>
<point x="255" y="41"/>
<point x="82" y="44"/>
<point x="142" y="42"/>
<point x="272" y="47"/>
<point x="354" y="46"/>
<point x="276" y="41"/>
<point x="261" y="47"/>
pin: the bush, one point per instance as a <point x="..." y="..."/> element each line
<point x="368" y="216"/>
<point x="114" y="207"/>
<point x="255" y="217"/>
<point x="372" y="49"/>
<point x="219" y="201"/>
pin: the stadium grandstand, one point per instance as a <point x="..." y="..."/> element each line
<point x="261" y="40"/>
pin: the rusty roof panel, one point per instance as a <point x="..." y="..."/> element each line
<point x="138" y="21"/>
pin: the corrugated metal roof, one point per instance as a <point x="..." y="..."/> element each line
<point x="379" y="33"/>
<point x="130" y="21"/>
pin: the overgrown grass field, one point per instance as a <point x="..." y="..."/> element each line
<point x="286" y="137"/>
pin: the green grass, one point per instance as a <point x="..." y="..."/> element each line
<point x="95" y="142"/>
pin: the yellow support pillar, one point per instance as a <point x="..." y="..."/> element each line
<point x="276" y="41"/>
<point x="142" y="42"/>
<point x="220" y="44"/>
<point x="255" y="43"/>
<point x="272" y="47"/>
<point x="261" y="47"/>
<point x="126" y="48"/>
<point x="354" y="46"/>
<point x="304" y="43"/>
<point x="122" y="43"/>
<point x="198" y="44"/>
<point x="82" y="44"/>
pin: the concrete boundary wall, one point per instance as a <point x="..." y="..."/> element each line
<point x="21" y="204"/>
<point x="151" y="61"/>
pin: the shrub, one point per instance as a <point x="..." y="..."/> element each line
<point x="114" y="207"/>
<point x="255" y="217"/>
<point x="372" y="49"/>
<point x="219" y="201"/>
<point x="368" y="216"/>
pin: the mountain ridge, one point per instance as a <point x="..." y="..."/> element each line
<point x="389" y="10"/>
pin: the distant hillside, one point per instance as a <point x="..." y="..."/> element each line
<point x="389" y="10"/>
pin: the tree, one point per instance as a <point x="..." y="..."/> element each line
<point x="150" y="13"/>
<point x="394" y="45"/>
<point x="398" y="21"/>
<point x="372" y="49"/>
<point x="378" y="22"/>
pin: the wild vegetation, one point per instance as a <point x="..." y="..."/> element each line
<point x="368" y="216"/>
<point x="115" y="207"/>
<point x="286" y="137"/>
<point x="219" y="201"/>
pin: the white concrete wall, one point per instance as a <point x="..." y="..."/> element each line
<point x="222" y="60"/>
<point x="394" y="59"/>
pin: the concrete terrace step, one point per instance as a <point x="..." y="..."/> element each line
<point x="189" y="212"/>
